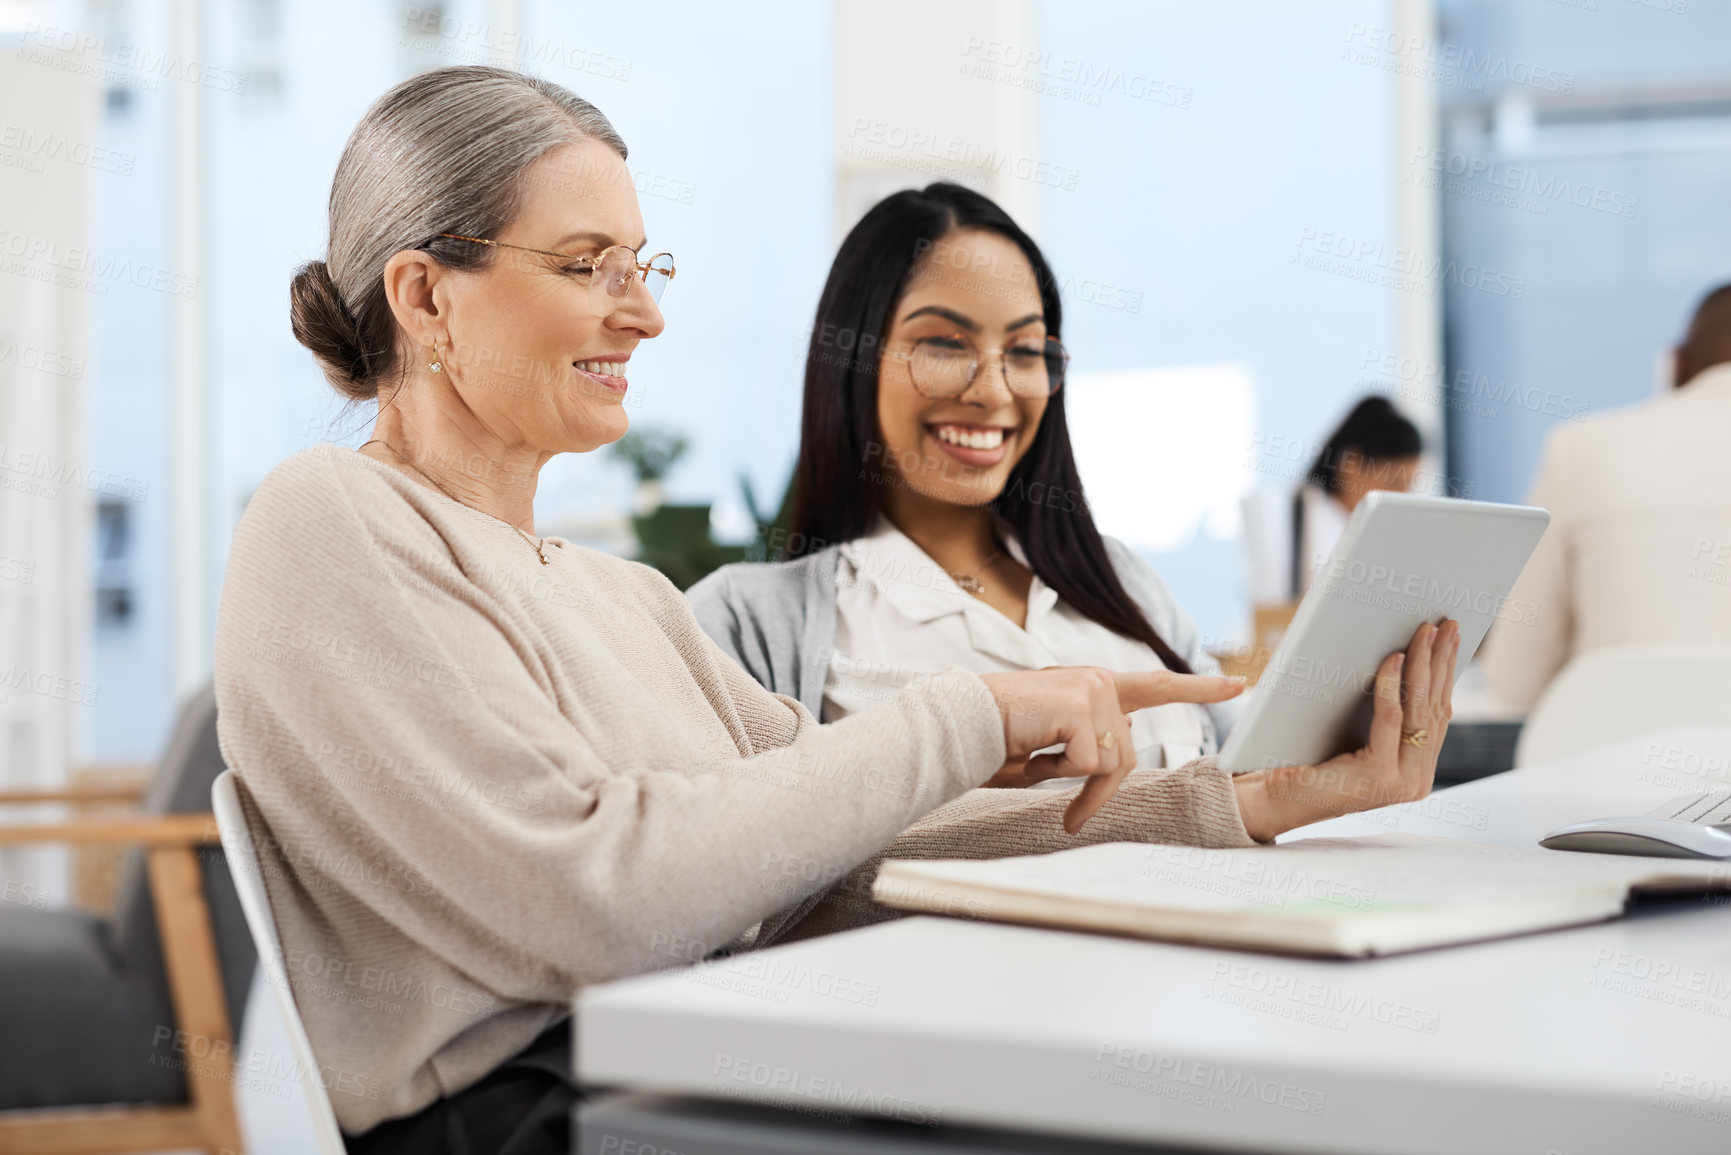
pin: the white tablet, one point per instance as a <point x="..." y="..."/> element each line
<point x="1404" y="558"/>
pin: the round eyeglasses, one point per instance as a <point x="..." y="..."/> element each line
<point x="945" y="367"/>
<point x="607" y="273"/>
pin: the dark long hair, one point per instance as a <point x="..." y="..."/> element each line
<point x="836" y="493"/>
<point x="1375" y="430"/>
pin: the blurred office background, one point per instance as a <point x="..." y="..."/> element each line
<point x="1497" y="212"/>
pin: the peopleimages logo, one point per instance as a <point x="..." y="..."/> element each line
<point x="1065" y="77"/>
<point x="1543" y="187"/>
<point x="895" y="143"/>
<point x="1467" y="389"/>
<point x="121" y="62"/>
<point x="1396" y="267"/>
<point x="1326" y="997"/>
<point x="1422" y="55"/>
<point x="54" y="472"/>
<point x="26" y="680"/>
<point x="90" y="263"/>
<point x="1142" y="1069"/>
<point x="433" y="30"/>
<point x="786" y="1085"/>
<point x="40" y="145"/>
<point x="41" y="360"/>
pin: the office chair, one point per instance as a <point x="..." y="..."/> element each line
<point x="1606" y="696"/>
<point x="249" y="883"/>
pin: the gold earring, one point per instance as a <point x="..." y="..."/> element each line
<point x="436" y="365"/>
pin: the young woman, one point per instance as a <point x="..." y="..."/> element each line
<point x="485" y="767"/>
<point x="938" y="517"/>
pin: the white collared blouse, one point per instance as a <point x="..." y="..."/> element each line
<point x="899" y="614"/>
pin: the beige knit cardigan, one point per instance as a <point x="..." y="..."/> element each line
<point x="479" y="783"/>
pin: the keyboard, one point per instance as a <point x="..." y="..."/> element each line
<point x="1712" y="808"/>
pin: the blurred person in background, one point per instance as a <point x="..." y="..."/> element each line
<point x="1287" y="536"/>
<point x="1639" y="547"/>
<point x="485" y="767"/>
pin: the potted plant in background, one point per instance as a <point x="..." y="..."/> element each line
<point x="674" y="538"/>
<point x="651" y="454"/>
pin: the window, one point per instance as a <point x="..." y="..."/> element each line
<point x="114" y="586"/>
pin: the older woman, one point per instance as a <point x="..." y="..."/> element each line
<point x="486" y="766"/>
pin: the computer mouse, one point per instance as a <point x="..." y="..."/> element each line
<point x="1650" y="837"/>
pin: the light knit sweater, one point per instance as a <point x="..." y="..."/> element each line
<point x="478" y="783"/>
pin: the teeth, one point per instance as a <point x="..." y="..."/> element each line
<point x="603" y="368"/>
<point x="970" y="438"/>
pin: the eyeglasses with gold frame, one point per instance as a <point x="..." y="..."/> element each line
<point x="946" y="366"/>
<point x="656" y="272"/>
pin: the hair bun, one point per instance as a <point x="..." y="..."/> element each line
<point x="323" y="323"/>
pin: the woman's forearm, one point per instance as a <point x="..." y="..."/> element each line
<point x="1271" y="802"/>
<point x="1192" y="805"/>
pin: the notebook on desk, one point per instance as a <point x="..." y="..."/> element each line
<point x="1339" y="897"/>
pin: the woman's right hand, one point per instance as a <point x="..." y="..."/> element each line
<point x="1086" y="708"/>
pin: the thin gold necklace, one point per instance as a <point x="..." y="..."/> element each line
<point x="528" y="537"/>
<point x="973" y="584"/>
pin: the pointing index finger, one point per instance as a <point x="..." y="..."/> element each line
<point x="1144" y="688"/>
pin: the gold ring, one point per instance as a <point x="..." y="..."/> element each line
<point x="1414" y="737"/>
<point x="1107" y="741"/>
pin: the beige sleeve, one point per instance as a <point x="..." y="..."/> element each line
<point x="1194" y="805"/>
<point x="768" y="729"/>
<point x="570" y="881"/>
<point x="1534" y="632"/>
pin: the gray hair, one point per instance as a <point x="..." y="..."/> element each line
<point x="443" y="152"/>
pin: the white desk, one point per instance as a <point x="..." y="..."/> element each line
<point x="1612" y="1039"/>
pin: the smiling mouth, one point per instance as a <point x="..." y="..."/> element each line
<point x="614" y="370"/>
<point x="983" y="437"/>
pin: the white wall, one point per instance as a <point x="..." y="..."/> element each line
<point x="1182" y="236"/>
